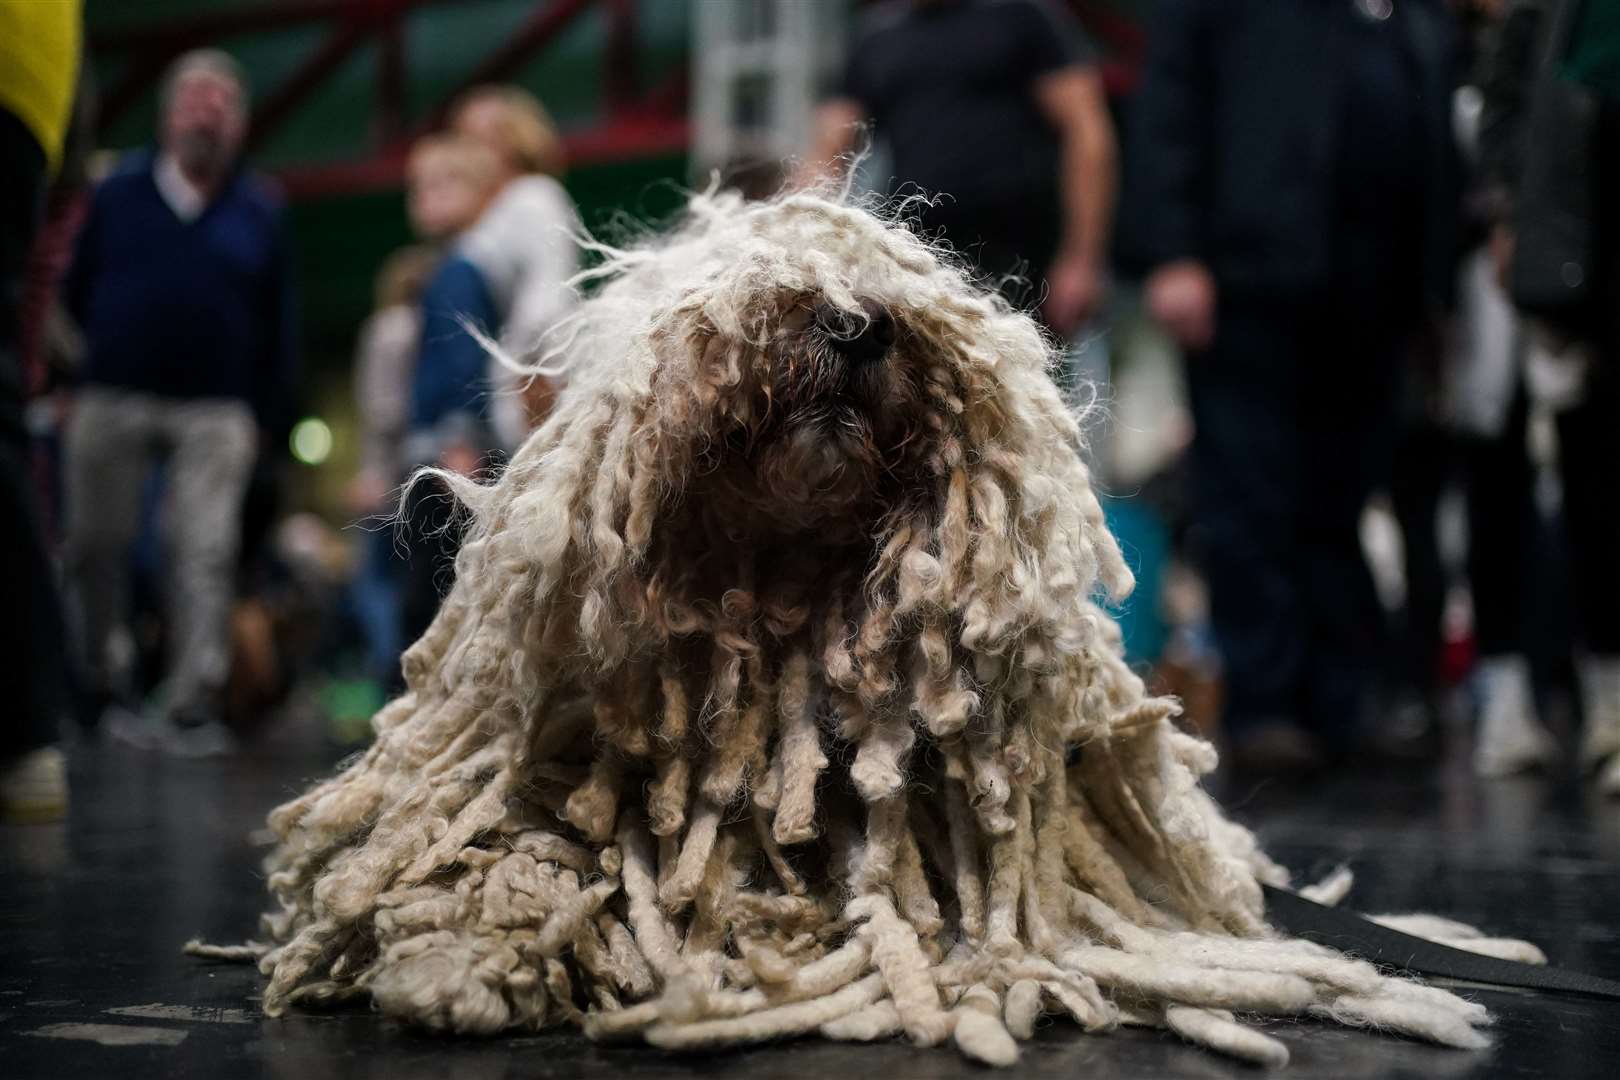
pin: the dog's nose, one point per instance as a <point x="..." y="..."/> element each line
<point x="857" y="340"/>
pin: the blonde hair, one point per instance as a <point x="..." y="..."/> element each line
<point x="716" y="782"/>
<point x="526" y="129"/>
<point x="216" y="62"/>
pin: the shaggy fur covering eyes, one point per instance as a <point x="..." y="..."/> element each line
<point x="773" y="697"/>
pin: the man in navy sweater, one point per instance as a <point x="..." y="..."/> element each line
<point x="181" y="285"/>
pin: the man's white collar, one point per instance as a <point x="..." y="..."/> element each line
<point x="186" y="199"/>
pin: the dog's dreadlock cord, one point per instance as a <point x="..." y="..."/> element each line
<point x="662" y="777"/>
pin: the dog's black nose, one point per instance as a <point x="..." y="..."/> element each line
<point x="858" y="340"/>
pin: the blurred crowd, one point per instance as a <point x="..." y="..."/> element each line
<point x="1381" y="236"/>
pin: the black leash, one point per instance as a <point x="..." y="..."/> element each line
<point x="1349" y="932"/>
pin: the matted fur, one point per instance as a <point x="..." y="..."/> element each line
<point x="772" y="697"/>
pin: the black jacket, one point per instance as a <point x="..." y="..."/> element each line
<point x="1536" y="159"/>
<point x="1232" y="153"/>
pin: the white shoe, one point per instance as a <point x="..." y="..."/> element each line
<point x="132" y="728"/>
<point x="212" y="739"/>
<point x="1600" y="696"/>
<point x="1510" y="737"/>
<point x="1608" y="781"/>
<point x="34" y="788"/>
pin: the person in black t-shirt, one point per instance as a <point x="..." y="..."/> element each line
<point x="996" y="105"/>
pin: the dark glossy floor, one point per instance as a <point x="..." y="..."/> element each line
<point x="92" y="915"/>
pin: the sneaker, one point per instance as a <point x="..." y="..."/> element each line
<point x="34" y="788"/>
<point x="1609" y="779"/>
<point x="1600" y="693"/>
<point x="1511" y="738"/>
<point x="205" y="740"/>
<point x="131" y="727"/>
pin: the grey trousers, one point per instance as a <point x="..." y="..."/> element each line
<point x="112" y="442"/>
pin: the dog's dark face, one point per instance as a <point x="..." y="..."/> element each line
<point x="802" y="370"/>
<point x="822" y="428"/>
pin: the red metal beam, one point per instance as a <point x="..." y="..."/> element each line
<point x="620" y="140"/>
<point x="670" y="96"/>
<point x="546" y="23"/>
<point x="156" y="46"/>
<point x="362" y="19"/>
<point x="382" y="173"/>
<point x="651" y="124"/>
<point x="285" y="99"/>
<point x="628" y="138"/>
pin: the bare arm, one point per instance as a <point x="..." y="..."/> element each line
<point x="1075" y="105"/>
<point x="1073" y="102"/>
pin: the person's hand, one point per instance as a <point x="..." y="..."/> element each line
<point x="1074" y="291"/>
<point x="1181" y="296"/>
<point x="460" y="458"/>
<point x="1502" y="255"/>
